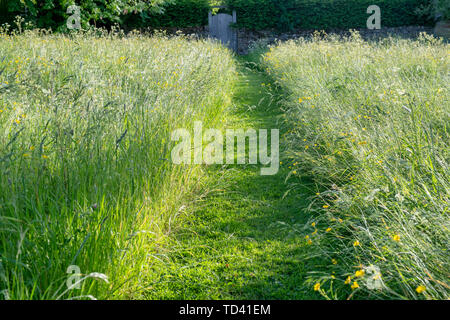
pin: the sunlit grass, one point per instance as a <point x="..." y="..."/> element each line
<point x="84" y="153"/>
<point x="369" y="122"/>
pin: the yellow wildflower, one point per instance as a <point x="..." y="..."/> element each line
<point x="348" y="280"/>
<point x="420" y="289"/>
<point x="355" y="285"/>
<point x="317" y="286"/>
<point x="356" y="243"/>
<point x="359" y="273"/>
<point x="328" y="230"/>
<point x="396" y="237"/>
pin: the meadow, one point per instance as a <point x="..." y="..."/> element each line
<point x="369" y="123"/>
<point x="86" y="180"/>
<point x="359" y="208"/>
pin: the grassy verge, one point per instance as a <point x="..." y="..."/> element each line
<point x="85" y="125"/>
<point x="369" y="122"/>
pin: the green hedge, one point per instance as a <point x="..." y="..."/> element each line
<point x="323" y="14"/>
<point x="290" y="14"/>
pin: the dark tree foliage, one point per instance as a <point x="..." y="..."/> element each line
<point x="53" y="13"/>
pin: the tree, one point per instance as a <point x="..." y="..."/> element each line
<point x="52" y="13"/>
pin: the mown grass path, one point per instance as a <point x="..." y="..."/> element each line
<point x="236" y="242"/>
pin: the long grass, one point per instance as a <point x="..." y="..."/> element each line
<point x="370" y="124"/>
<point x="85" y="176"/>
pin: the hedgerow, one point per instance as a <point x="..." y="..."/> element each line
<point x="323" y="14"/>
